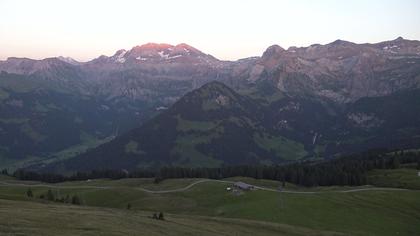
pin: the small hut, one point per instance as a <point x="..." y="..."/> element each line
<point x="243" y="186"/>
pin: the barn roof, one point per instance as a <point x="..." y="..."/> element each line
<point x="243" y="185"/>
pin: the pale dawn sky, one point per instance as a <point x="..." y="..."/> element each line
<point x="227" y="29"/>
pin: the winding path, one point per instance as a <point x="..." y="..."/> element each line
<point x="368" y="188"/>
<point x="186" y="187"/>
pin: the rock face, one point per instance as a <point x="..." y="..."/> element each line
<point x="342" y="71"/>
<point x="160" y="72"/>
<point x="334" y="85"/>
<point x="49" y="68"/>
<point x="153" y="54"/>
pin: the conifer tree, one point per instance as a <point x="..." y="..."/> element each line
<point x="161" y="216"/>
<point x="29" y="193"/>
<point x="75" y="200"/>
<point x="50" y="195"/>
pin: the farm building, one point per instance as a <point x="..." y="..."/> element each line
<point x="243" y="186"/>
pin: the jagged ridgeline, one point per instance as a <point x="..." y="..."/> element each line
<point x="289" y="104"/>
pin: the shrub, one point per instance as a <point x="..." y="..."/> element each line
<point x="29" y="193"/>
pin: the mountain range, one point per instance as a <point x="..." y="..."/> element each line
<point x="158" y="104"/>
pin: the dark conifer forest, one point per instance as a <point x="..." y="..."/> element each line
<point x="350" y="170"/>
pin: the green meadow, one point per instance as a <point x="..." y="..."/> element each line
<point x="207" y="208"/>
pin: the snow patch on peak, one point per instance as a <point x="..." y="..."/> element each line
<point x="163" y="55"/>
<point x="141" y="58"/>
<point x="68" y="60"/>
<point x="391" y="48"/>
<point x="119" y="57"/>
<point x="121" y="53"/>
<point x="176" y="56"/>
<point x="120" y="60"/>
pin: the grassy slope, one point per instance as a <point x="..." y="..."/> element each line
<point x="33" y="218"/>
<point x="286" y="148"/>
<point x="87" y="142"/>
<point x="399" y="178"/>
<point x="357" y="213"/>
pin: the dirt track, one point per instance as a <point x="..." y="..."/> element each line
<point x="367" y="188"/>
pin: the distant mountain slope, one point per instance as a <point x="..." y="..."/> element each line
<point x="214" y="126"/>
<point x="324" y="98"/>
<point x="210" y="126"/>
<point x="39" y="118"/>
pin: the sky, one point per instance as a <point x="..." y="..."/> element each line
<point x="227" y="29"/>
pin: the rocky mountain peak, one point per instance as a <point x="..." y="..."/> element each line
<point x="273" y="50"/>
<point x="68" y="60"/>
<point x="28" y="66"/>
<point x="160" y="52"/>
<point x="211" y="90"/>
<point x="340" y="42"/>
<point x="208" y="101"/>
<point x="152" y="46"/>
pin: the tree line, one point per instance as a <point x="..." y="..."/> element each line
<point x="350" y="170"/>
